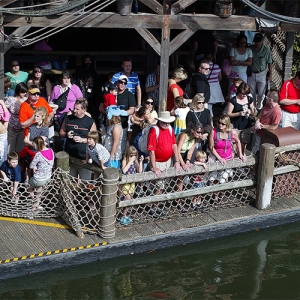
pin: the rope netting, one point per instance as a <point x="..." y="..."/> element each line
<point x="77" y="202"/>
<point x="287" y="183"/>
<point x="142" y="198"/>
<point x="276" y="42"/>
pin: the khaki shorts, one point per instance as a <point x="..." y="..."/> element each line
<point x="160" y="183"/>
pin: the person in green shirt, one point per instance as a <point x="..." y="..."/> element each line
<point x="15" y="75"/>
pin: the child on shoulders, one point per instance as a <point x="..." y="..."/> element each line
<point x="110" y="98"/>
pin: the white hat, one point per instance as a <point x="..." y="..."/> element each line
<point x="165" y="116"/>
<point x="123" y="77"/>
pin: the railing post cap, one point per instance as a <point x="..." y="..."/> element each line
<point x="268" y="146"/>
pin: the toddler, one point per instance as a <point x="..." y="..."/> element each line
<point x="97" y="152"/>
<point x="181" y="109"/>
<point x="130" y="165"/>
<point x="11" y="171"/>
<point x="200" y="160"/>
<point x="41" y="165"/>
<point x="110" y="98"/>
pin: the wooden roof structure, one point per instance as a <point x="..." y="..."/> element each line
<point x="166" y="16"/>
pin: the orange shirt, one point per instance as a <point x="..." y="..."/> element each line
<point x="26" y="112"/>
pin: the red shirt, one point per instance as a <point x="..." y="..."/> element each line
<point x="170" y="99"/>
<point x="163" y="145"/>
<point x="109" y="99"/>
<point x="269" y="116"/>
<point x="289" y="91"/>
<point x="26" y="112"/>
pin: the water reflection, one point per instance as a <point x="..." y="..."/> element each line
<point x="257" y="265"/>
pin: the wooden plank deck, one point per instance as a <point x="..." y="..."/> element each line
<point x="23" y="238"/>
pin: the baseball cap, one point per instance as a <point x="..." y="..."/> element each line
<point x="123" y="77"/>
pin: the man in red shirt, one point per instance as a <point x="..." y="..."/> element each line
<point x="289" y="101"/>
<point x="26" y="116"/>
<point x="268" y="118"/>
<point x="162" y="147"/>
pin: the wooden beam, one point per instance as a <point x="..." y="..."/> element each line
<point x="181" y="4"/>
<point x="154" y="5"/>
<point x="150" y="39"/>
<point x="18" y="33"/>
<point x="143" y="20"/>
<point x="181" y="38"/>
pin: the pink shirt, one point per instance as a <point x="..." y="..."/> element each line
<point x="73" y="95"/>
<point x="223" y="147"/>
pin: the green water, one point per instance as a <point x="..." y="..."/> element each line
<point x="264" y="264"/>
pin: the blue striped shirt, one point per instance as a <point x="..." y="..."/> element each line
<point x="133" y="81"/>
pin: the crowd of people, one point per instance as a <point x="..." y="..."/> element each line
<point x="132" y="136"/>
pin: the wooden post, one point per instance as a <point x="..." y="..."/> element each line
<point x="164" y="65"/>
<point x="290" y="37"/>
<point x="265" y="176"/>
<point x="107" y="228"/>
<point x="1" y="59"/>
<point x="62" y="160"/>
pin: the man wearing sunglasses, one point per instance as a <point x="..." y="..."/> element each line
<point x="126" y="101"/>
<point x="27" y="108"/>
<point x="15" y="75"/>
<point x="200" y="80"/>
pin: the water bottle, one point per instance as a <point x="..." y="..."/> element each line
<point x="136" y="6"/>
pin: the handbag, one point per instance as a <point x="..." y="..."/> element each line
<point x="61" y="101"/>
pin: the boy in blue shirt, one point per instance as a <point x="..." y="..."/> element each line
<point x="11" y="171"/>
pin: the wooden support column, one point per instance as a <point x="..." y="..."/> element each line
<point x="290" y="37"/>
<point x="1" y="59"/>
<point x="265" y="176"/>
<point x="164" y="66"/>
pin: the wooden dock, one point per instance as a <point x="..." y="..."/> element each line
<point x="31" y="246"/>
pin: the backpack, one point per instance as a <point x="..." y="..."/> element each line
<point x="189" y="90"/>
<point x="226" y="66"/>
<point x="143" y="140"/>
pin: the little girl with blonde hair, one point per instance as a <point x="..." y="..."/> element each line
<point x="130" y="165"/>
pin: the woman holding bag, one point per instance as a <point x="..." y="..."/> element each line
<point x="73" y="94"/>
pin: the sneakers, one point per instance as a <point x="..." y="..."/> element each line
<point x="126" y="220"/>
<point x="157" y="212"/>
<point x="198" y="206"/>
<point x="241" y="171"/>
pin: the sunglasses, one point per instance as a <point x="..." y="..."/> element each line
<point x="131" y="155"/>
<point x="205" y="68"/>
<point x="15" y="65"/>
<point x="37" y="71"/>
<point x="149" y="103"/>
<point x="200" y="102"/>
<point x="122" y="82"/>
<point x="220" y="123"/>
<point x="199" y="132"/>
<point x="35" y="94"/>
